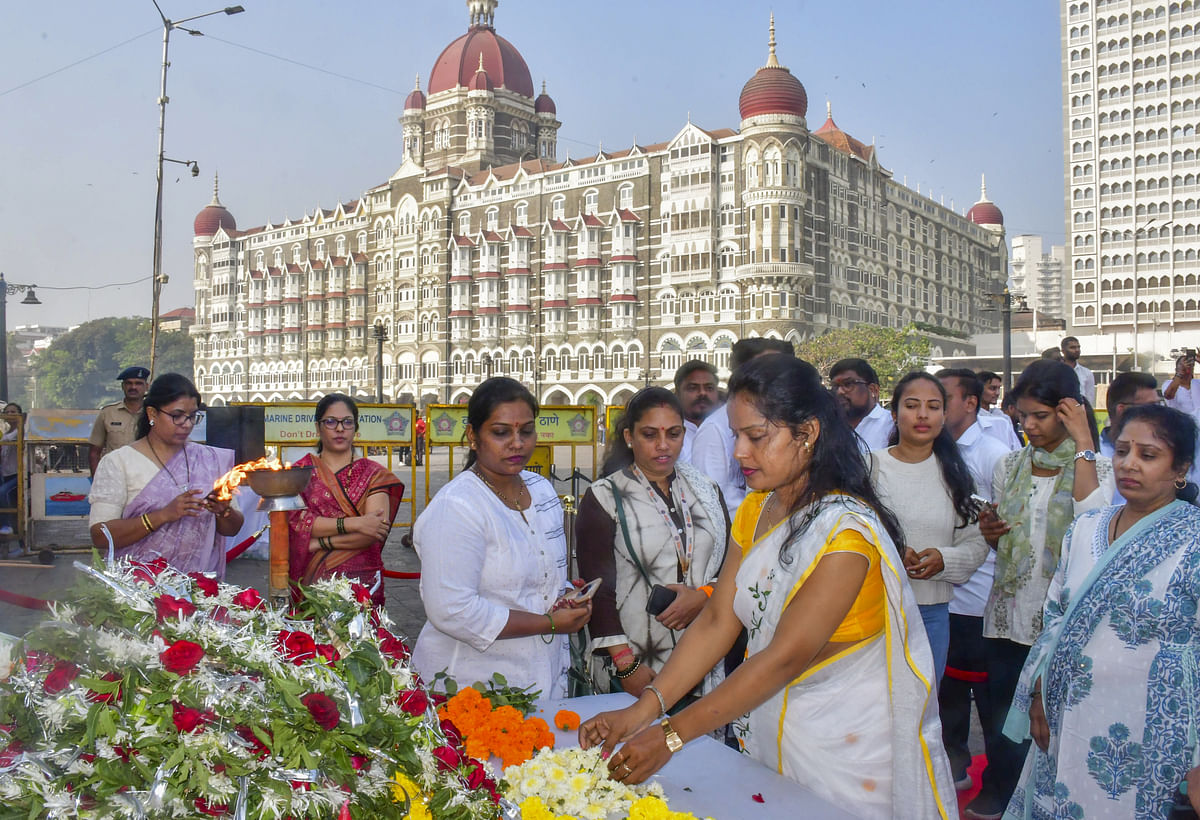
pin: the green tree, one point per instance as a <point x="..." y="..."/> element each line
<point x="80" y="368"/>
<point x="891" y="352"/>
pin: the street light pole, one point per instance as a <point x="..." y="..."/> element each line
<point x="30" y="299"/>
<point x="381" y="336"/>
<point x="156" y="279"/>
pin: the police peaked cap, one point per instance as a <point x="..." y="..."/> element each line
<point x="134" y="373"/>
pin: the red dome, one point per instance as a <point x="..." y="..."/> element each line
<point x="458" y="64"/>
<point x="985" y="213"/>
<point x="211" y="218"/>
<point x="773" y="90"/>
<point x="481" y="82"/>
<point x="415" y="101"/>
<point x="544" y="105"/>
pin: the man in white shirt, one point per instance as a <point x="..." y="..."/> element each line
<point x="856" y="387"/>
<point x="1000" y="428"/>
<point x="966" y="670"/>
<point x="1087" y="382"/>
<point x="712" y="449"/>
<point x="696" y="387"/>
<point x="1183" y="390"/>
<point x="1127" y="390"/>
<point x="989" y="403"/>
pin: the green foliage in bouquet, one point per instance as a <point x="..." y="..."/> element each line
<point x="496" y="690"/>
<point x="156" y="694"/>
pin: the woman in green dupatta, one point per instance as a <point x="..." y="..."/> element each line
<point x="1039" y="491"/>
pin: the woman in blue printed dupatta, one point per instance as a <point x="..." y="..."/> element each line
<point x="155" y="495"/>
<point x="1111" y="690"/>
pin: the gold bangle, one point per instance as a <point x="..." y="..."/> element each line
<point x="146" y="523"/>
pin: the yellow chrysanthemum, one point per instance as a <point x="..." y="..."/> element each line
<point x="532" y="808"/>
<point x="653" y="808"/>
<point x="405" y="789"/>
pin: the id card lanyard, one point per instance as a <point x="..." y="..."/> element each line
<point x="684" y="543"/>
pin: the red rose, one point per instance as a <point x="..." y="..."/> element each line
<point x="447" y="758"/>
<point x="361" y="594"/>
<point x="323" y="709"/>
<point x="167" y="606"/>
<point x="106" y="697"/>
<point x="248" y="598"/>
<point x="296" y="646"/>
<point x="181" y="657"/>
<point x="477" y="775"/>
<point x="493" y="792"/>
<point x="438" y="698"/>
<point x="206" y="584"/>
<point x="125" y="752"/>
<point x="301" y="785"/>
<point x="8" y="754"/>
<point x="257" y="746"/>
<point x="220" y="614"/>
<point x="392" y="646"/>
<point x="187" y="719"/>
<point x="453" y="736"/>
<point x="360" y="763"/>
<point x="211" y="809"/>
<point x="329" y="652"/>
<point x="60" y="677"/>
<point x="413" y="701"/>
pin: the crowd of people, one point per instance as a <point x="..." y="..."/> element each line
<point x="794" y="568"/>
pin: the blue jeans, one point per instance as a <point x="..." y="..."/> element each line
<point x="937" y="627"/>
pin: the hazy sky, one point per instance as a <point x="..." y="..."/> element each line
<point x="295" y="103"/>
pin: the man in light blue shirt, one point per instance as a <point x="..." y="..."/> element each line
<point x="1126" y="390"/>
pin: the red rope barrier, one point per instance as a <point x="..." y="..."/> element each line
<point x="234" y="552"/>
<point x="24" y="601"/>
<point x="406" y="576"/>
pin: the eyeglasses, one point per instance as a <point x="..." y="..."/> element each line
<point x="849" y="384"/>
<point x="337" y="424"/>
<point x="181" y="418"/>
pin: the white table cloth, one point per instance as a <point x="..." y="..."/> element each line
<point x="706" y="777"/>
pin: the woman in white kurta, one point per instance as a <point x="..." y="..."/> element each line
<point x="1110" y="687"/>
<point x="836" y="688"/>
<point x="494" y="558"/>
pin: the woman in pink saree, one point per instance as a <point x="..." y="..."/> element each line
<point x="351" y="505"/>
<point x="154" y="496"/>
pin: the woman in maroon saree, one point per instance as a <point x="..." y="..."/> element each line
<point x="351" y="506"/>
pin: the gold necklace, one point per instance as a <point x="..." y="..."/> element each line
<point x="500" y="495"/>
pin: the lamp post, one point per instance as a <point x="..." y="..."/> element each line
<point x="157" y="280"/>
<point x="486" y="361"/>
<point x="381" y="335"/>
<point x="1005" y="300"/>
<point x="30" y="299"/>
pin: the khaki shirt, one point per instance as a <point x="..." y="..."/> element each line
<point x="115" y="427"/>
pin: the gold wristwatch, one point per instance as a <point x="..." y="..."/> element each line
<point x="673" y="741"/>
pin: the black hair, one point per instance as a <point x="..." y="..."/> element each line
<point x="788" y="391"/>
<point x="969" y="383"/>
<point x="954" y="469"/>
<point x="1053" y="354"/>
<point x="620" y="454"/>
<point x="1066" y="340"/>
<point x="165" y="389"/>
<point x="1172" y="427"/>
<point x="859" y="366"/>
<point x="689" y="367"/>
<point x="488" y="396"/>
<point x="14" y="404"/>
<point x="744" y="350"/>
<point x="986" y="376"/>
<point x="1048" y="382"/>
<point x="1124" y="387"/>
<point x="328" y="401"/>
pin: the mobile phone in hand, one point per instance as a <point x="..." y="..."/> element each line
<point x="583" y="594"/>
<point x="660" y="598"/>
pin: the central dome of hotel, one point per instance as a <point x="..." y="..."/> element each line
<point x="481" y="46"/>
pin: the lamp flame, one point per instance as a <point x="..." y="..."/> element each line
<point x="225" y="485"/>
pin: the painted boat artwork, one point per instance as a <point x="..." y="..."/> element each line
<point x="67" y="495"/>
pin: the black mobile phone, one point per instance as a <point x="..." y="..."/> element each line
<point x="660" y="599"/>
<point x="1182" y="809"/>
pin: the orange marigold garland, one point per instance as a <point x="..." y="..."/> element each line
<point x="502" y="732"/>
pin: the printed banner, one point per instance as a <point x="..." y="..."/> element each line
<point x="555" y="425"/>
<point x="383" y="424"/>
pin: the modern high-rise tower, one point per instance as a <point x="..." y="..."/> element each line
<point x="1131" y="110"/>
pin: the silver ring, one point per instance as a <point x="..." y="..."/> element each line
<point x="625" y="766"/>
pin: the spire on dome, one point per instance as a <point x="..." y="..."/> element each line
<point x="417" y="82"/>
<point x="543" y="86"/>
<point x="828" y="109"/>
<point x="483" y="12"/>
<point x="772" y="62"/>
<point x="983" y="188"/>
<point x="216" y="190"/>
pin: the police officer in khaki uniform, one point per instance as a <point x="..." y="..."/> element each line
<point x="117" y="423"/>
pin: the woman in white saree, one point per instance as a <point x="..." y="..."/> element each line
<point x="836" y="691"/>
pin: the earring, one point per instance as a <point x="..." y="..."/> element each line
<point x="808" y="445"/>
<point x="151" y="422"/>
<point x="1180" y="483"/>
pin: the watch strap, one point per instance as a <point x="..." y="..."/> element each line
<point x="674" y="742"/>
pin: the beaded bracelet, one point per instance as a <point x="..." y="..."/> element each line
<point x="628" y="671"/>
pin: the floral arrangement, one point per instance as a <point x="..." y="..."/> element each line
<point x="573" y="783"/>
<point x="157" y="694"/>
<point x="488" y="730"/>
